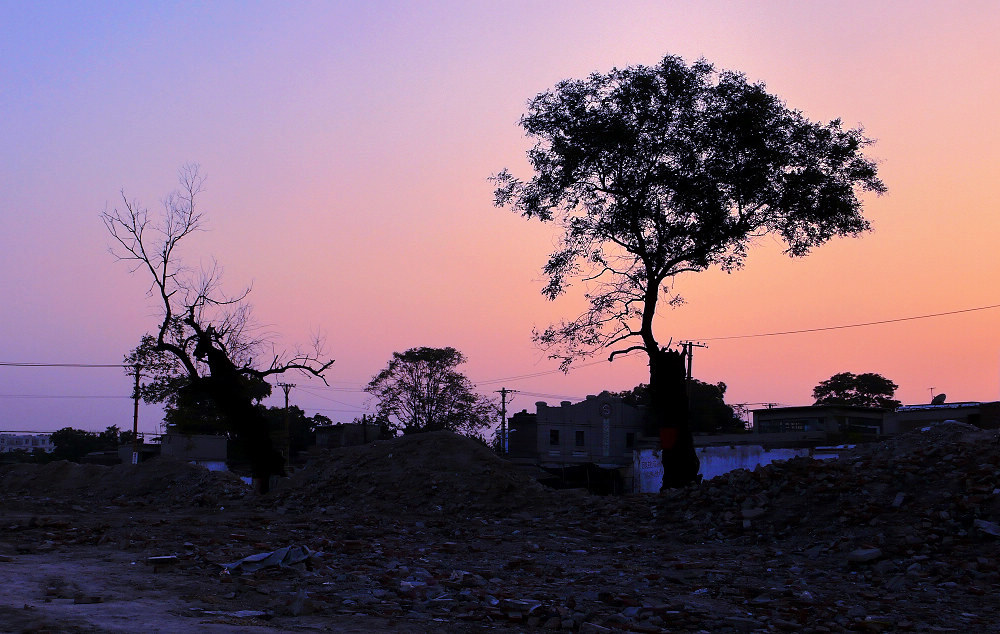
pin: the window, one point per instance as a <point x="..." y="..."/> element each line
<point x="580" y="439"/>
<point x="553" y="436"/>
<point x="630" y="440"/>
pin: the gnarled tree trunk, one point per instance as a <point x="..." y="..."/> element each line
<point x="667" y="418"/>
<point x="228" y="388"/>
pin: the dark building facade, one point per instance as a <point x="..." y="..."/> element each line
<point x="910" y="417"/>
<point x="346" y="435"/>
<point x="835" y="422"/>
<point x="842" y="423"/>
<point x="601" y="430"/>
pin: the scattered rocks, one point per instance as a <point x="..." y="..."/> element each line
<point x="862" y="555"/>
<point x="433" y="532"/>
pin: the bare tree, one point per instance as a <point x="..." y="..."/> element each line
<point x="209" y="333"/>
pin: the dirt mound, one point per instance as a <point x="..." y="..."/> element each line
<point x="924" y="489"/>
<point x="158" y="481"/>
<point x="433" y="473"/>
<point x="923" y="439"/>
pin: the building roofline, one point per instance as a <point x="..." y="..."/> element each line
<point x="827" y="406"/>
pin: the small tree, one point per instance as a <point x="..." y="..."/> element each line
<point x="656" y="171"/>
<point x="420" y="390"/>
<point x="864" y="390"/>
<point x="207" y="333"/>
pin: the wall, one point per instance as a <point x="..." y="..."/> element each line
<point x="26" y="442"/>
<point x="716" y="461"/>
<point x="200" y="448"/>
<point x="647" y="467"/>
<point x="605" y="422"/>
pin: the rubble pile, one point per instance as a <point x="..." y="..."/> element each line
<point x="160" y="481"/>
<point x="432" y="473"/>
<point x="433" y="531"/>
<point x="924" y="487"/>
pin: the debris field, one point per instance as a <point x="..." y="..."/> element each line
<point x="432" y="531"/>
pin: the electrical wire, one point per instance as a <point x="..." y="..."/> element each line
<point x="320" y="396"/>
<point x="61" y="365"/>
<point x="59" y="396"/>
<point x="858" y="325"/>
<point x="544" y="372"/>
<point x="519" y="377"/>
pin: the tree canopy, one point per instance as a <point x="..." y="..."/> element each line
<point x="420" y="390"/>
<point x="864" y="390"/>
<point x="187" y="408"/>
<point x="707" y="410"/>
<point x="654" y="171"/>
<point x="73" y="444"/>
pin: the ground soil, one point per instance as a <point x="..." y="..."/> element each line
<point x="434" y="532"/>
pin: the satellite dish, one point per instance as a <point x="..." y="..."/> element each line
<point x="939" y="399"/>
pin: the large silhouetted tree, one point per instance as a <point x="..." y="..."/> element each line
<point x="656" y="171"/>
<point x="207" y="333"/>
<point x="865" y="390"/>
<point x="185" y="410"/>
<point x="420" y="390"/>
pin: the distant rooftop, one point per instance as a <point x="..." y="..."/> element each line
<point x="956" y="405"/>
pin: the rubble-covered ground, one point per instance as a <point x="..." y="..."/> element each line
<point x="432" y="532"/>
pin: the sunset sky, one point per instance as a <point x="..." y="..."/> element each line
<point x="347" y="148"/>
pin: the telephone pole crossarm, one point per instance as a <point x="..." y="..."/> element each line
<point x="688" y="347"/>
<point x="503" y="392"/>
<point x="286" y="388"/>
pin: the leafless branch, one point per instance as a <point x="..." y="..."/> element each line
<point x="194" y="308"/>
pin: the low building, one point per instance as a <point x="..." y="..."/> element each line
<point x="144" y="451"/>
<point x="910" y="417"/>
<point x="601" y="430"/>
<point x="346" y="435"/>
<point x="822" y="423"/>
<point x="201" y="449"/>
<point x="26" y="442"/>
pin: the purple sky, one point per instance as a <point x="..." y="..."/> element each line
<point x="347" y="150"/>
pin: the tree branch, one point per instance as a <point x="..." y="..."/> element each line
<point x="612" y="356"/>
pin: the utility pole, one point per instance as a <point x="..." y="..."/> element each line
<point x="688" y="347"/>
<point x="503" y="392"/>
<point x="135" y="416"/>
<point x="286" y="388"/>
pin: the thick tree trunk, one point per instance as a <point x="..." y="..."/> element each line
<point x="246" y="422"/>
<point x="252" y="431"/>
<point x="229" y="390"/>
<point x="667" y="418"/>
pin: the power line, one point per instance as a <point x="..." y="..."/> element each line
<point x="347" y="411"/>
<point x="541" y="373"/>
<point x="858" y="325"/>
<point x="325" y="398"/>
<point x="58" y="396"/>
<point x="563" y="397"/>
<point x="62" y="365"/>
